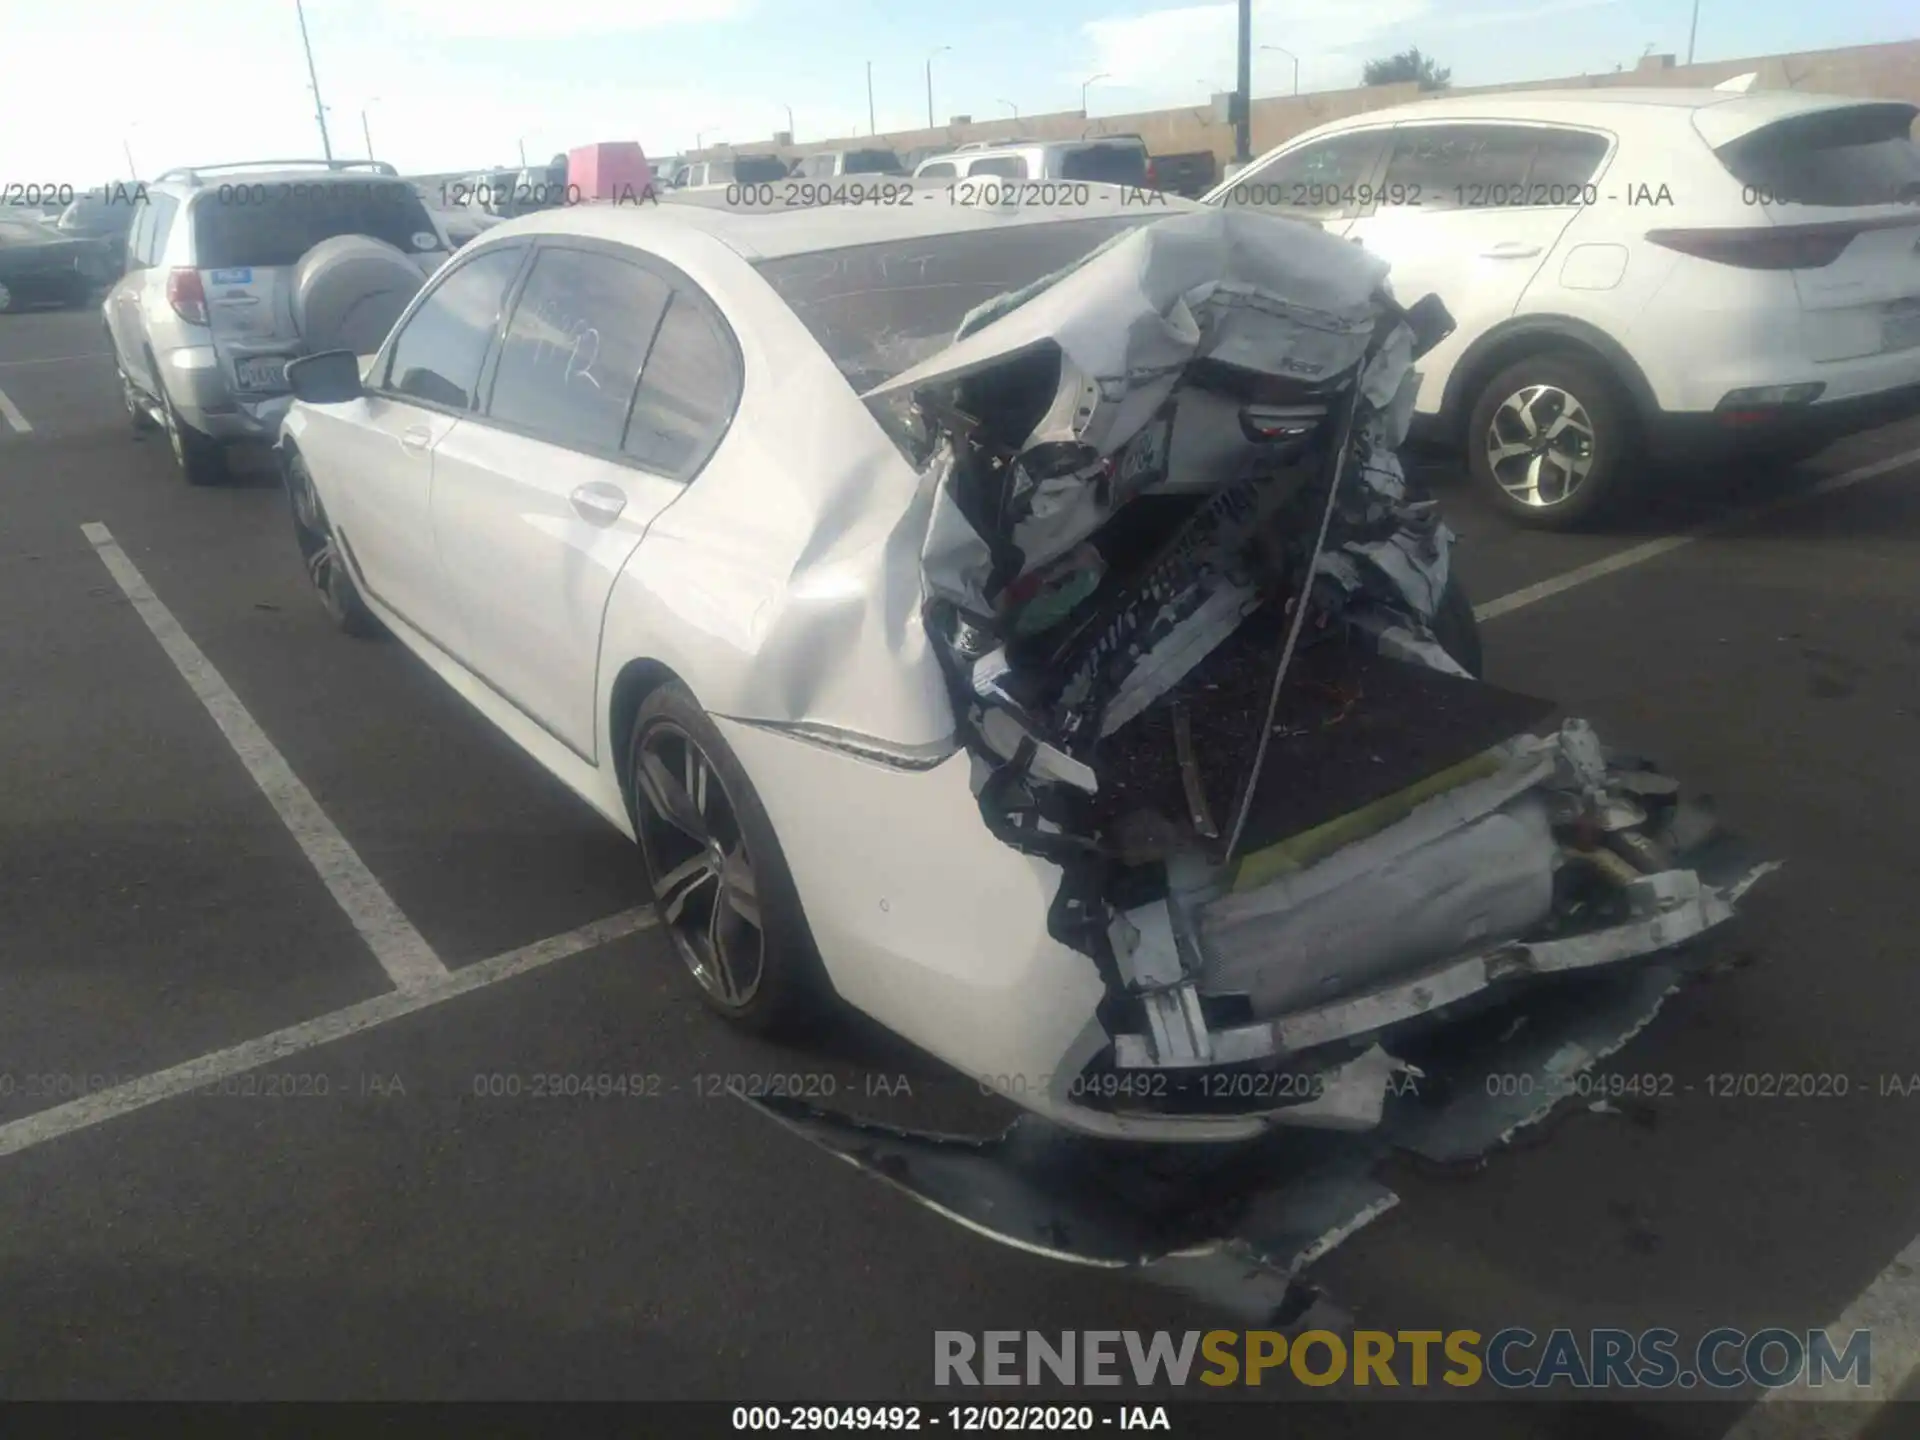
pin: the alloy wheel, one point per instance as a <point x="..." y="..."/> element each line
<point x="696" y="852"/>
<point x="1539" y="445"/>
<point x="6" y="299"/>
<point x="313" y="532"/>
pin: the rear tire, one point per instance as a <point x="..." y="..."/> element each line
<point x="325" y="565"/>
<point x="721" y="886"/>
<point x="199" y="456"/>
<point x="1552" y="441"/>
<point x="137" y="414"/>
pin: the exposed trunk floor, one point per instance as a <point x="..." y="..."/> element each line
<point x="1369" y="728"/>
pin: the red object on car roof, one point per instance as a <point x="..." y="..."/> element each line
<point x="615" y="170"/>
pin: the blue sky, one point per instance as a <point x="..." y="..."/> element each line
<point x="454" y="84"/>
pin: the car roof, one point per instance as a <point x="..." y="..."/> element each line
<point x="1023" y="147"/>
<point x="769" y="233"/>
<point x="214" y="179"/>
<point x="1737" y="111"/>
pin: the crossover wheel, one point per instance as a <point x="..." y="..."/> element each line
<point x="199" y="456"/>
<point x="325" y="566"/>
<point x="720" y="884"/>
<point x="137" y="414"/>
<point x="7" y="299"/>
<point x="1551" y="441"/>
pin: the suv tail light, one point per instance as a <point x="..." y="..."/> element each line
<point x="1153" y="174"/>
<point x="187" y="296"/>
<point x="1771" y="247"/>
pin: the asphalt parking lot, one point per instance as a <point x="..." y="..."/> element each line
<point x="354" y="1214"/>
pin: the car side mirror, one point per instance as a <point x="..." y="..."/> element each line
<point x="1430" y="321"/>
<point x="328" y="378"/>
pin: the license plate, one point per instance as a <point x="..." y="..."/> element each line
<point x="1900" y="326"/>
<point x="262" y="372"/>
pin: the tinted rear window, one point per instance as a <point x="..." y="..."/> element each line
<point x="276" y="222"/>
<point x="873" y="162"/>
<point x="759" y="169"/>
<point x="1863" y="155"/>
<point x="1106" y="165"/>
<point x="878" y="310"/>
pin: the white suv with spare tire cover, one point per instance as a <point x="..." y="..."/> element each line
<point x="1636" y="275"/>
<point x="233" y="270"/>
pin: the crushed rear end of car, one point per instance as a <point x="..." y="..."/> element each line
<point x="1214" y="679"/>
<point x="1202" y="638"/>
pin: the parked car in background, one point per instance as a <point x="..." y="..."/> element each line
<point x="43" y="265"/>
<point x="464" y="226"/>
<point x="836" y="164"/>
<point x="233" y="270"/>
<point x="1636" y="275"/>
<point x="1189" y="174"/>
<point x="104" y="213"/>
<point x="718" y="174"/>
<point x="1108" y="160"/>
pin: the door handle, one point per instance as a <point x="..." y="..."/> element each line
<point x="1509" y="250"/>
<point x="599" y="503"/>
<point x="416" y="438"/>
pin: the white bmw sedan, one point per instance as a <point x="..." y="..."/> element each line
<point x="1011" y="622"/>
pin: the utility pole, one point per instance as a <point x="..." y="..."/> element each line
<point x="319" y="110"/>
<point x="1693" y="30"/>
<point x="1243" y="97"/>
<point x="930" y="56"/>
<point x="872" y="129"/>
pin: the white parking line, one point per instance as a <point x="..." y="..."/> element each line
<point x="1890" y="1308"/>
<point x="1640" y="554"/>
<point x="104" y="1105"/>
<point x="402" y="951"/>
<point x="10" y="412"/>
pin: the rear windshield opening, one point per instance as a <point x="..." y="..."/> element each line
<point x="873" y="162"/>
<point x="276" y="222"/>
<point x="879" y="310"/>
<point x="1863" y="155"/>
<point x="1106" y="165"/>
<point x="759" y="169"/>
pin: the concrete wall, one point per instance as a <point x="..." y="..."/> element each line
<point x="1890" y="72"/>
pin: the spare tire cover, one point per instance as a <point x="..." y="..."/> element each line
<point x="348" y="291"/>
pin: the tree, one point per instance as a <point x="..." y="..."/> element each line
<point x="1407" y="65"/>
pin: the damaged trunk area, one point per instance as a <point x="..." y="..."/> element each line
<point x="1207" y="652"/>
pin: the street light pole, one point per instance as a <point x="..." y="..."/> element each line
<point x="1692" y="30"/>
<point x="1296" y="64"/>
<point x="133" y="171"/>
<point x="1013" y="107"/>
<point x="319" y="110"/>
<point x="1103" y="75"/>
<point x="789" y="110"/>
<point x="930" y="56"/>
<point x="872" y="129"/>
<point x="1243" y="99"/>
<point x="365" y="133"/>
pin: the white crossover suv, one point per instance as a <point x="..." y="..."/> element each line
<point x="1635" y="273"/>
